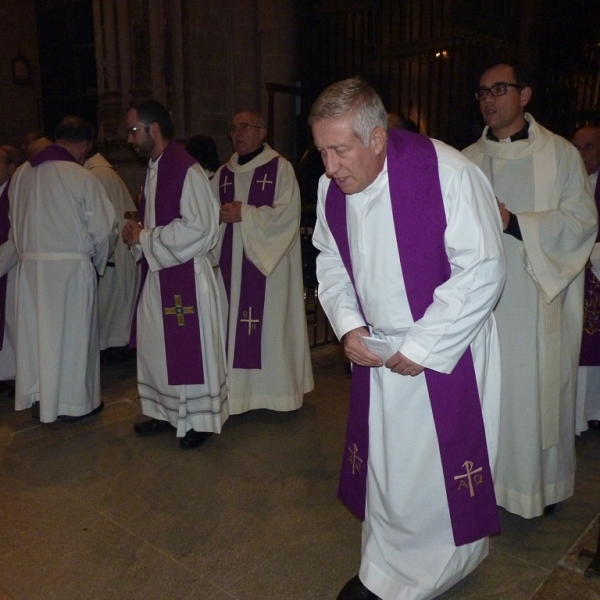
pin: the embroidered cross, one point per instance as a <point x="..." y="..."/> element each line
<point x="354" y="459"/>
<point x="469" y="475"/>
<point x="225" y="184"/>
<point x="264" y="182"/>
<point x="179" y="310"/>
<point x="249" y="320"/>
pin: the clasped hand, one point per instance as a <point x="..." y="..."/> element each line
<point x="358" y="354"/>
<point x="131" y="233"/>
<point x="231" y="212"/>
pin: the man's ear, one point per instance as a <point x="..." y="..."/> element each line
<point x="263" y="134"/>
<point x="526" y="93"/>
<point x="154" y="130"/>
<point x="378" y="139"/>
<point x="11" y="169"/>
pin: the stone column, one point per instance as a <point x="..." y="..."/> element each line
<point x="246" y="65"/>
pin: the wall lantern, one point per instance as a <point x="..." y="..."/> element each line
<point x="20" y="70"/>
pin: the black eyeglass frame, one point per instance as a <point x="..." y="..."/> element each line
<point x="503" y="86"/>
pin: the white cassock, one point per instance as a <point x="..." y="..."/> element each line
<point x="8" y="264"/>
<point x="540" y="313"/>
<point x="63" y="225"/>
<point x="270" y="238"/>
<point x="201" y="407"/>
<point x="117" y="288"/>
<point x="588" y="378"/>
<point x="408" y="550"/>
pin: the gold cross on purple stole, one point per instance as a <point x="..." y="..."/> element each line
<point x="179" y="310"/>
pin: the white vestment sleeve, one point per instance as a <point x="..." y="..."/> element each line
<point x="336" y="292"/>
<point x="8" y="255"/>
<point x="193" y="234"/>
<point x="465" y="301"/>
<point x="558" y="242"/>
<point x="595" y="260"/>
<point x="268" y="232"/>
<point x="101" y="221"/>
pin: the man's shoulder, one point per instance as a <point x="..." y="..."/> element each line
<point x="450" y="157"/>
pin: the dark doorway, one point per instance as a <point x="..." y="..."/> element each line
<point x="67" y="60"/>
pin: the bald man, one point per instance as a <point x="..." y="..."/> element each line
<point x="587" y="141"/>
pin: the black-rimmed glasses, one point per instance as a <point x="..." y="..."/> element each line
<point x="496" y="90"/>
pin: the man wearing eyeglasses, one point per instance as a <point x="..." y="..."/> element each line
<point x="549" y="220"/>
<point x="180" y="349"/>
<point x="261" y="274"/>
<point x="587" y="141"/>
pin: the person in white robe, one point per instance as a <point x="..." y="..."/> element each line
<point x="269" y="237"/>
<point x="550" y="221"/>
<point x="587" y="141"/>
<point x="10" y="159"/>
<point x="117" y="288"/>
<point x="408" y="548"/>
<point x="63" y="227"/>
<point x="194" y="410"/>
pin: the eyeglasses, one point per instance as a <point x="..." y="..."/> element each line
<point x="496" y="90"/>
<point x="243" y="127"/>
<point x="132" y="130"/>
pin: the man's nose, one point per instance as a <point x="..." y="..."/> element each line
<point x="331" y="163"/>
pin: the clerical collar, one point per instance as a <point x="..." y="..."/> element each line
<point x="520" y="135"/>
<point x="246" y="158"/>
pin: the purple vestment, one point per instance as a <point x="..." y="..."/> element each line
<point x="4" y="229"/>
<point x="248" y="337"/>
<point x="420" y="223"/>
<point x="590" y="341"/>
<point x="181" y="322"/>
<point x="52" y="152"/>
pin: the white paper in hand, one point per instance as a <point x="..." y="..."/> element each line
<point x="381" y="348"/>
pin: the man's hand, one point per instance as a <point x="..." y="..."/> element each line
<point x="505" y="214"/>
<point x="358" y="353"/>
<point x="131" y="233"/>
<point x="403" y="366"/>
<point x="231" y="212"/>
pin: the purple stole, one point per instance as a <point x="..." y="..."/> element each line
<point x="52" y="152"/>
<point x="248" y="335"/>
<point x="589" y="355"/>
<point x="420" y="223"/>
<point x="181" y="323"/>
<point x="4" y="229"/>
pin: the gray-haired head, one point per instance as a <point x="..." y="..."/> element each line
<point x="355" y="100"/>
<point x="75" y="130"/>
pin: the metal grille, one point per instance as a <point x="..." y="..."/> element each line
<point x="423" y="56"/>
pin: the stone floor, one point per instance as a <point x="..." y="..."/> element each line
<point x="90" y="511"/>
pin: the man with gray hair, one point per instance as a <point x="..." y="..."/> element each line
<point x="64" y="228"/>
<point x="411" y="266"/>
<point x="268" y="358"/>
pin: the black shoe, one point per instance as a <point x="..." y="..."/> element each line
<point x="70" y="419"/>
<point x="35" y="410"/>
<point x="8" y="385"/>
<point x="194" y="439"/>
<point x="595" y="425"/>
<point x="355" y="590"/>
<point x="549" y="510"/>
<point x="152" y="427"/>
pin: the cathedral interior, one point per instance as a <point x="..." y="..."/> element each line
<point x="89" y="511"/>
